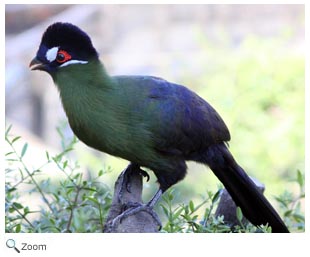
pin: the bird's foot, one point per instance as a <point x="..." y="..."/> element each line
<point x="132" y="168"/>
<point x="134" y="208"/>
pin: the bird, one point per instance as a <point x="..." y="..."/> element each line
<point x="146" y="120"/>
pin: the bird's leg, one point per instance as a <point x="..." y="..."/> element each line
<point x="155" y="198"/>
<point x="132" y="167"/>
<point x="142" y="207"/>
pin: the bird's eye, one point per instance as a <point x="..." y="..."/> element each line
<point x="62" y="56"/>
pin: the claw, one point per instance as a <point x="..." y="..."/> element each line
<point x="144" y="174"/>
<point x="126" y="178"/>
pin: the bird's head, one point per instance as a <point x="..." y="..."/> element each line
<point x="63" y="44"/>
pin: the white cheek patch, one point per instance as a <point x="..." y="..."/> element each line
<point x="73" y="62"/>
<point x="51" y="54"/>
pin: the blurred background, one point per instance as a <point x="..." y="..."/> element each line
<point x="247" y="61"/>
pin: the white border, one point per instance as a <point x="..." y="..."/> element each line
<point x="164" y="244"/>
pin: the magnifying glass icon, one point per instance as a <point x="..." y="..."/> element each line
<point x="10" y="243"/>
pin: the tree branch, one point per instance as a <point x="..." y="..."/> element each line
<point x="128" y="192"/>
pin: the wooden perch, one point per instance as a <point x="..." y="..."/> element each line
<point x="128" y="192"/>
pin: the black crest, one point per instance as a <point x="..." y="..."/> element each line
<point x="70" y="37"/>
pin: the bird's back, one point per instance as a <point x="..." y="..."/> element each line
<point x="179" y="121"/>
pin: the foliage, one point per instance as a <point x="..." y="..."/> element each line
<point x="292" y="205"/>
<point x="76" y="204"/>
<point x="185" y="218"/>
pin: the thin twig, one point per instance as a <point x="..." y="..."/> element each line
<point x="22" y="215"/>
<point x="73" y="206"/>
<point x="30" y="175"/>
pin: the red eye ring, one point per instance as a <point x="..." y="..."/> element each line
<point x="62" y="56"/>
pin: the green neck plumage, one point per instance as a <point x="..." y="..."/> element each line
<point x="92" y="74"/>
<point x="80" y="85"/>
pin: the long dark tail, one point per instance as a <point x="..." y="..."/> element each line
<point x="242" y="189"/>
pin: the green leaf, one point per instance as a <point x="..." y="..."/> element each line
<point x="100" y="173"/>
<point x="165" y="210"/>
<point x="288" y="213"/>
<point x="52" y="221"/>
<point x="191" y="206"/>
<point x="8" y="130"/>
<point x="239" y="214"/>
<point x="299" y="218"/>
<point x="15" y="139"/>
<point x="216" y="196"/>
<point x="94" y="200"/>
<point x="177" y="214"/>
<point x="24" y="150"/>
<point x="185" y="208"/>
<point x="89" y="189"/>
<point x="170" y="196"/>
<point x="12" y="160"/>
<point x="12" y="189"/>
<point x="47" y="155"/>
<point x="282" y="201"/>
<point x="64" y="165"/>
<point x="17" y="205"/>
<point x="300" y="178"/>
<point x="17" y="228"/>
<point x="26" y="210"/>
<point x="76" y="176"/>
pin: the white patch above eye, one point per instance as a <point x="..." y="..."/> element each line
<point x="73" y="62"/>
<point x="51" y="54"/>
